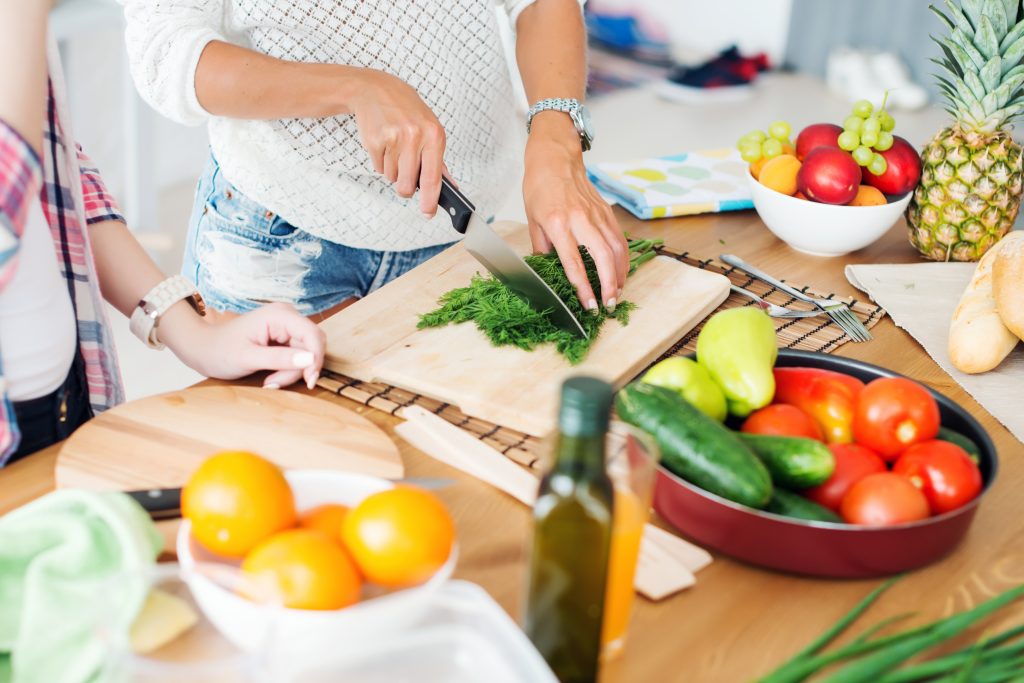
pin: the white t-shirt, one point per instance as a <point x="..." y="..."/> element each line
<point x="38" y="336"/>
<point x="314" y="173"/>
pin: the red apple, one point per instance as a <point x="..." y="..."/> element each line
<point x="829" y="175"/>
<point x="903" y="171"/>
<point x="817" y="135"/>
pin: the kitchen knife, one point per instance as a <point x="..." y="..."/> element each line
<point x="166" y="503"/>
<point x="496" y="256"/>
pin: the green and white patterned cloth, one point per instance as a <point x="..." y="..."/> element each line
<point x="62" y="562"/>
<point x="678" y="185"/>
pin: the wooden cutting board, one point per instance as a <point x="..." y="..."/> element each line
<point x="376" y="340"/>
<point x="158" y="441"/>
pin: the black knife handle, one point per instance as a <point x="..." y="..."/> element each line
<point x="159" y="503"/>
<point x="459" y="208"/>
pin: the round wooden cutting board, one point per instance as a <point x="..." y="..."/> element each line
<point x="157" y="442"/>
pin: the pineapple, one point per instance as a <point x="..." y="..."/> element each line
<point x="970" y="187"/>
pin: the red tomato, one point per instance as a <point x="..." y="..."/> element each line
<point x="883" y="499"/>
<point x="783" y="420"/>
<point x="943" y="471"/>
<point x="853" y="463"/>
<point x="893" y="413"/>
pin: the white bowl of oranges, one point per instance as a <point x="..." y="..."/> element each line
<point x="329" y="559"/>
<point x="838" y="188"/>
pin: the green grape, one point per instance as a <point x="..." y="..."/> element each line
<point x="853" y="124"/>
<point x="771" y="148"/>
<point x="878" y="164"/>
<point x="750" y="151"/>
<point x="862" y="155"/>
<point x="780" y="130"/>
<point x="848" y="140"/>
<point x="871" y="125"/>
<point x="869" y="139"/>
<point x="863" y="108"/>
<point x="887" y="121"/>
<point x="757" y="136"/>
<point x="884" y="141"/>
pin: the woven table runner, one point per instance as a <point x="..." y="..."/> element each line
<point x="809" y="334"/>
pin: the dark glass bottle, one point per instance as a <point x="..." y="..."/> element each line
<point x="572" y="536"/>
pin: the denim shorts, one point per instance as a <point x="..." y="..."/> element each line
<point x="241" y="256"/>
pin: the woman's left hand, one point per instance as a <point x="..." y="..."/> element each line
<point x="565" y="211"/>
<point x="275" y="337"/>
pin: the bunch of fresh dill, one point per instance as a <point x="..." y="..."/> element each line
<point x="509" y="321"/>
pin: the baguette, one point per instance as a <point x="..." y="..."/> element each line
<point x="1008" y="282"/>
<point x="978" y="339"/>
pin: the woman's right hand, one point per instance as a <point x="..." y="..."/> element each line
<point x="404" y="139"/>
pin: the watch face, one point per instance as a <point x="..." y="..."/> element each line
<point x="588" y="127"/>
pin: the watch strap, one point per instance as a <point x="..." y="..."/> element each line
<point x="551" y="104"/>
<point x="146" y="317"/>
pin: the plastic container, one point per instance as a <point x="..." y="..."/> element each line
<point x="463" y="637"/>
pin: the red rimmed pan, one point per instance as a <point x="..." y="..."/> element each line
<point x="823" y="548"/>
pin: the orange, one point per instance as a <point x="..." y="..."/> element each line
<point x="327" y="518"/>
<point x="868" y="196"/>
<point x="399" y="537"/>
<point x="306" y="569"/>
<point x="234" y="500"/>
<point x="779" y="174"/>
<point x="755" y="168"/>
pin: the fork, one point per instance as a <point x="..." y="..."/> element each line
<point x="770" y="308"/>
<point x="839" y="312"/>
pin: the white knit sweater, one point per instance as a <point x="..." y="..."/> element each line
<point x="313" y="172"/>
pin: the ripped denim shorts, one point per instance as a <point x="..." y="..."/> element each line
<point x="241" y="256"/>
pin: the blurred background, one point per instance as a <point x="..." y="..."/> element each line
<point x="652" y="63"/>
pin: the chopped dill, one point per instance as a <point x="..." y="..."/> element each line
<point x="507" y="320"/>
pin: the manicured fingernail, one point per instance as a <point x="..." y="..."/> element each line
<point x="312" y="381"/>
<point x="592" y="305"/>
<point x="271" y="385"/>
<point x="610" y="305"/>
<point x="303" y="359"/>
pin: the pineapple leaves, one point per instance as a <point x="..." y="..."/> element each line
<point x="996" y="13"/>
<point x="954" y="65"/>
<point x="974" y="10"/>
<point x="1012" y="37"/>
<point x="985" y="39"/>
<point x="942" y="17"/>
<point x="974" y="84"/>
<point x="1012" y="57"/>
<point x="948" y="64"/>
<point x="991" y="73"/>
<point x="968" y="56"/>
<point x="959" y="18"/>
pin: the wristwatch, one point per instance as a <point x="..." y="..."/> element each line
<point x="146" y="316"/>
<point x="576" y="111"/>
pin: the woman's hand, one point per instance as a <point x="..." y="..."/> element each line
<point x="275" y="337"/>
<point x="404" y="139"/>
<point x="565" y="211"/>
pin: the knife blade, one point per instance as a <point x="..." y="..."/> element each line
<point x="497" y="257"/>
<point x="165" y="503"/>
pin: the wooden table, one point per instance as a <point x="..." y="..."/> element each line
<point x="739" y="620"/>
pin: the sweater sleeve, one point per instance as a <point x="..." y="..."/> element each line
<point x="515" y="7"/>
<point x="21" y="178"/>
<point x="165" y="39"/>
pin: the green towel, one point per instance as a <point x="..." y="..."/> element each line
<point x="58" y="555"/>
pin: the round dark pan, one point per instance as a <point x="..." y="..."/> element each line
<point x="824" y="548"/>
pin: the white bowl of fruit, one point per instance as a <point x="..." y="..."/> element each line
<point x="839" y="188"/>
<point x="328" y="560"/>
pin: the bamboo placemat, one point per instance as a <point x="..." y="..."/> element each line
<point x="810" y="334"/>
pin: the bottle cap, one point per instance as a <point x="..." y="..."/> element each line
<point x="586" y="402"/>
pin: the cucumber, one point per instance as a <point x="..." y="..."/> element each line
<point x="789" y="504"/>
<point x="794" y="462"/>
<point x="960" y="440"/>
<point x="694" y="446"/>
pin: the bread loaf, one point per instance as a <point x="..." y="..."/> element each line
<point x="1008" y="282"/>
<point x="978" y="339"/>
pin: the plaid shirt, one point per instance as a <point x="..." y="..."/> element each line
<point x="73" y="196"/>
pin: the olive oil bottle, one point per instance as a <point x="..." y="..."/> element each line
<point x="572" y="536"/>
